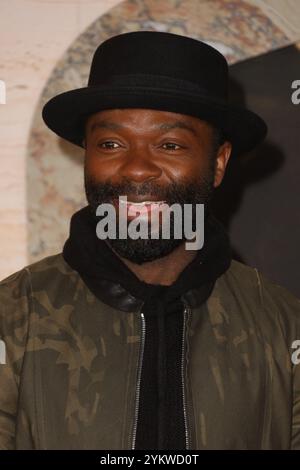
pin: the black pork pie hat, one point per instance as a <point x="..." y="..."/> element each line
<point x="156" y="70"/>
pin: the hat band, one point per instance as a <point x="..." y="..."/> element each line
<point x="163" y="82"/>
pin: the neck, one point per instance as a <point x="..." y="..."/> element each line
<point x="163" y="271"/>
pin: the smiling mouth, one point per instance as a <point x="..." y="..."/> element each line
<point x="142" y="203"/>
<point x="137" y="201"/>
<point x="139" y="208"/>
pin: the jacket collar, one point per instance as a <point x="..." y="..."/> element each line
<point x="116" y="296"/>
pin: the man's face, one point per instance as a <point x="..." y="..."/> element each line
<point x="150" y="155"/>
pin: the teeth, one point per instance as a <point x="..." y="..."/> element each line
<point x="141" y="203"/>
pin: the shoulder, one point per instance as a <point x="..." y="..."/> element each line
<point x="260" y="285"/>
<point x="256" y="292"/>
<point x="31" y="289"/>
<point x="35" y="275"/>
<point x="16" y="290"/>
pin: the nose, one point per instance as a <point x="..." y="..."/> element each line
<point x="138" y="166"/>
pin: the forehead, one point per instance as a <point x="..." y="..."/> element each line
<point x="148" y="118"/>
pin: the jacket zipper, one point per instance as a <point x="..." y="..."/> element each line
<point x="185" y="313"/>
<point x="138" y="385"/>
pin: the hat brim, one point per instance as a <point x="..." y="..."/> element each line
<point x="66" y="113"/>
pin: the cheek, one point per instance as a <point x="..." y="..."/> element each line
<point x="195" y="168"/>
<point x="100" y="169"/>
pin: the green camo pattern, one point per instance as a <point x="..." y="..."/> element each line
<point x="70" y="377"/>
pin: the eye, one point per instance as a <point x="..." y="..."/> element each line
<point x="108" y="144"/>
<point x="171" y="146"/>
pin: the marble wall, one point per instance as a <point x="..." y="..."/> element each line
<point x="33" y="36"/>
<point x="46" y="48"/>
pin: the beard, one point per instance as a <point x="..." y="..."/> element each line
<point x="144" y="250"/>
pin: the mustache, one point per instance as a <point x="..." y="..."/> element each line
<point x="174" y="192"/>
<point x="109" y="190"/>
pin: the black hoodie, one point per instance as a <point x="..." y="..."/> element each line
<point x="160" y="423"/>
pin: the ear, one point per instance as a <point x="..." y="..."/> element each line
<point x="222" y="158"/>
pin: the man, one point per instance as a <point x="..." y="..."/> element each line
<point x="141" y="343"/>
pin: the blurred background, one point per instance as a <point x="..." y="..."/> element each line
<point x="46" y="47"/>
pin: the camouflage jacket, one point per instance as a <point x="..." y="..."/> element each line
<point x="70" y="375"/>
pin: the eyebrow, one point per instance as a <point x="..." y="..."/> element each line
<point x="164" y="126"/>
